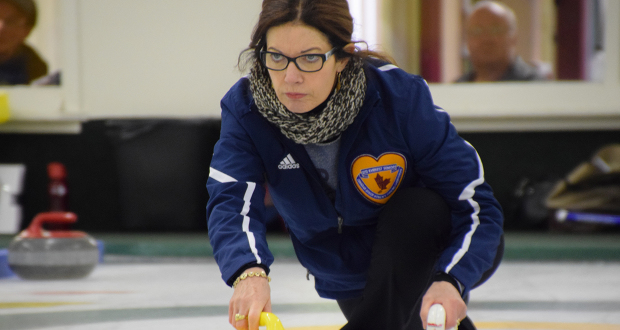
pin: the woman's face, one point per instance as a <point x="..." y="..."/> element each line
<point x="301" y="91"/>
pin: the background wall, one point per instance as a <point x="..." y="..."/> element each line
<point x="167" y="54"/>
<point x="150" y="175"/>
<point x="175" y="59"/>
<point x="122" y="175"/>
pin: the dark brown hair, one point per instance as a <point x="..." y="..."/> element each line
<point x="331" y="17"/>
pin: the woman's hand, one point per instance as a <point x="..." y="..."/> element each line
<point x="251" y="297"/>
<point x="446" y="294"/>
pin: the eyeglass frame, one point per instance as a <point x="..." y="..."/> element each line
<point x="324" y="57"/>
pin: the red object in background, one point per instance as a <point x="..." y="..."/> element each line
<point x="57" y="188"/>
<point x="58" y="192"/>
<point x="431" y="40"/>
<point x="572" y="39"/>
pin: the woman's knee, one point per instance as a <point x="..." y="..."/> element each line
<point x="420" y="204"/>
<point x="497" y="260"/>
<point x="417" y="214"/>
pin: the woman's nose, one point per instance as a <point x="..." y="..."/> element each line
<point x="292" y="74"/>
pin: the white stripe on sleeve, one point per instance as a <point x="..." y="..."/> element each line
<point x="468" y="195"/>
<point x="246" y="220"/>
<point x="219" y="176"/>
<point x="224" y="178"/>
<point x="388" y="67"/>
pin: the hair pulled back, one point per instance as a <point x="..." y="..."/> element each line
<point x="330" y="17"/>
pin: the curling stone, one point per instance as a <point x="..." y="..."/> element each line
<point x="39" y="254"/>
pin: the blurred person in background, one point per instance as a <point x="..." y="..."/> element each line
<point x="19" y="63"/>
<point x="491" y="32"/>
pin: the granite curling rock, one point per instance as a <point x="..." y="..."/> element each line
<point x="39" y="254"/>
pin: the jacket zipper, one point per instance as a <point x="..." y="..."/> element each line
<point x="340" y="221"/>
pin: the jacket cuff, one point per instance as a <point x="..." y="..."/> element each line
<point x="441" y="276"/>
<point x="243" y="268"/>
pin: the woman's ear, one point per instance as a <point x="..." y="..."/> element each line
<point x="349" y="48"/>
<point x="342" y="63"/>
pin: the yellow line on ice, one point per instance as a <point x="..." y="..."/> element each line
<point x="26" y="304"/>
<point x="545" y="326"/>
<point x="510" y="325"/>
<point x="328" y="327"/>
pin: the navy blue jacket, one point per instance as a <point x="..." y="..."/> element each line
<point x="398" y="139"/>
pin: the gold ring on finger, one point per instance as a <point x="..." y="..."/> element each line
<point x="239" y="317"/>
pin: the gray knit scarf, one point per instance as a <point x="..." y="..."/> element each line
<point x="340" y="111"/>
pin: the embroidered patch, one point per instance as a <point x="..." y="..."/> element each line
<point x="378" y="179"/>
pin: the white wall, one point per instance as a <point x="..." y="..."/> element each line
<point x="160" y="57"/>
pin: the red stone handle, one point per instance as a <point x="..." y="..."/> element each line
<point x="35" y="230"/>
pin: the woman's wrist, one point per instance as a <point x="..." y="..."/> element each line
<point x="251" y="272"/>
<point x="441" y="276"/>
<point x="246" y="268"/>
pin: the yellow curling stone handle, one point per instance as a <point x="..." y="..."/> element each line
<point x="270" y="321"/>
<point x="5" y="112"/>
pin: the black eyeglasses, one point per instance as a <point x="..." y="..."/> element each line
<point x="306" y="63"/>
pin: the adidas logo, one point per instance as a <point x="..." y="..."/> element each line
<point x="288" y="163"/>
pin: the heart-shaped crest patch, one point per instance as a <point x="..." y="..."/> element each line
<point x="378" y="178"/>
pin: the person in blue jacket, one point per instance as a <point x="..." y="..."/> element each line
<point x="386" y="206"/>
